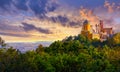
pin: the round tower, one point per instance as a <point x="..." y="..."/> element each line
<point x="86" y="26"/>
<point x="86" y="29"/>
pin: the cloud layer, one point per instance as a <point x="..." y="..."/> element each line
<point x="54" y="19"/>
<point x="30" y="27"/>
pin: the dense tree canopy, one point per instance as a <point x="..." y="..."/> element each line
<point x="115" y="40"/>
<point x="73" y="54"/>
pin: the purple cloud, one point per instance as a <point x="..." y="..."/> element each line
<point x="29" y="27"/>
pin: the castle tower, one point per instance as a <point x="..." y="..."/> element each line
<point x="101" y="25"/>
<point x="86" y="26"/>
<point x="86" y="29"/>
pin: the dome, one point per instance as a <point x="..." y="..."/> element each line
<point x="86" y="22"/>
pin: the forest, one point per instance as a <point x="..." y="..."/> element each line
<point x="72" y="54"/>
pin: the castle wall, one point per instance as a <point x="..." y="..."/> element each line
<point x="95" y="36"/>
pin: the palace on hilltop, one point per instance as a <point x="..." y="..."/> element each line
<point x="97" y="31"/>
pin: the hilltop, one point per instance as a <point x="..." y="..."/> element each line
<point x="72" y="54"/>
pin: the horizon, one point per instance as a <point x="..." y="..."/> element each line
<point x="51" y="20"/>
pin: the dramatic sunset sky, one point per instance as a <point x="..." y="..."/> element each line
<point x="50" y="20"/>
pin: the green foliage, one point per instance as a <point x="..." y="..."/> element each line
<point x="73" y="54"/>
<point x="96" y="43"/>
<point x="115" y="40"/>
<point x="40" y="49"/>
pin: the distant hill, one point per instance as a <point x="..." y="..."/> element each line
<point x="26" y="46"/>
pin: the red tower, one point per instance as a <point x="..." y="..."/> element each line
<point x="101" y="25"/>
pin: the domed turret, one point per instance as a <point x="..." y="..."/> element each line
<point x="85" y="22"/>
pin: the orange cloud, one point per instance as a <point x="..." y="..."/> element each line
<point x="109" y="6"/>
<point x="87" y="14"/>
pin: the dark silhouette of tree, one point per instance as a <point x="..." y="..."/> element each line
<point x="2" y="42"/>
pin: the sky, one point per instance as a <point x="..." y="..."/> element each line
<point x="50" y="20"/>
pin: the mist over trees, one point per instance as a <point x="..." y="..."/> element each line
<point x="72" y="54"/>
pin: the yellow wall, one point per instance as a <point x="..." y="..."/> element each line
<point x="86" y="30"/>
<point x="87" y="27"/>
<point x="95" y="36"/>
<point x="87" y="34"/>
